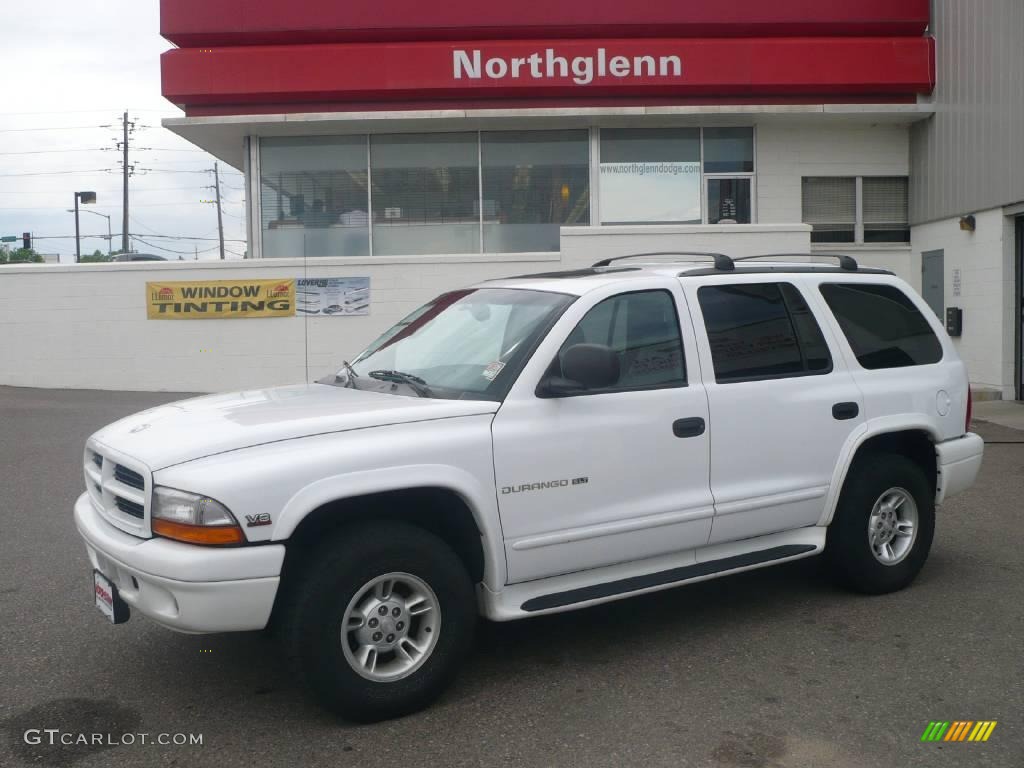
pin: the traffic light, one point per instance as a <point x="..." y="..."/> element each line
<point x="26" y="240"/>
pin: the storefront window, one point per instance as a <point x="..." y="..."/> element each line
<point x="426" y="192"/>
<point x="498" y="191"/>
<point x="728" y="150"/>
<point x="650" y="176"/>
<point x="314" y="196"/>
<point x="533" y="183"/>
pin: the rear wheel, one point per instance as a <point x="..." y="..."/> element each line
<point x="381" y="620"/>
<point x="883" y="526"/>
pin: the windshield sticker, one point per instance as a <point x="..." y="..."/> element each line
<point x="492" y="370"/>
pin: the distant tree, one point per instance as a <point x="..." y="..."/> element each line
<point x="24" y="256"/>
<point x="96" y="256"/>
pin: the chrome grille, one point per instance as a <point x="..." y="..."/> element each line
<point x="129" y="477"/>
<point x="119" y="488"/>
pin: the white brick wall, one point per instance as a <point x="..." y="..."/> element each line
<point x="786" y="152"/>
<point x="985" y="258"/>
<point x="85" y="326"/>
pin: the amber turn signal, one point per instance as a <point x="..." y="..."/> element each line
<point x="198" y="534"/>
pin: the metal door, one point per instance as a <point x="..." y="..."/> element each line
<point x="1019" y="362"/>
<point x="933" y="281"/>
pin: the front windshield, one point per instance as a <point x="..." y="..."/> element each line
<point x="467" y="344"/>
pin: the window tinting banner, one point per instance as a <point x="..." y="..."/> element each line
<point x="215" y="299"/>
<point x="332" y="296"/>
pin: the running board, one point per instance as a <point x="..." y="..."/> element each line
<point x="620" y="587"/>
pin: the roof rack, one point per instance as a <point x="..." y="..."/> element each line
<point x="846" y="263"/>
<point x="722" y="262"/>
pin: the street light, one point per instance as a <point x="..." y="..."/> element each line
<point x="86" y="198"/>
<point x="110" y="247"/>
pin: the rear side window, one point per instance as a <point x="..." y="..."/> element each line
<point x="761" y="331"/>
<point x="884" y="327"/>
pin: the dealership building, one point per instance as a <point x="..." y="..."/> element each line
<point x="447" y="142"/>
<point x="425" y="146"/>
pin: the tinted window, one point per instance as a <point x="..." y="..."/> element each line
<point x="760" y="331"/>
<point x="884" y="327"/>
<point x="643" y="329"/>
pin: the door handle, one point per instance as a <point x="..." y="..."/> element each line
<point x="844" y="411"/>
<point x="691" y="427"/>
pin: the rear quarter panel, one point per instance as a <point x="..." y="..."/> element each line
<point x="930" y="398"/>
<point x="914" y="394"/>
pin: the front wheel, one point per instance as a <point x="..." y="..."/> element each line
<point x="381" y="621"/>
<point x="883" y="526"/>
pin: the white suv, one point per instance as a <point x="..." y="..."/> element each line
<point x="539" y="444"/>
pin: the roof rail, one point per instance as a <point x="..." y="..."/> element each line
<point x="847" y="263"/>
<point x="722" y="262"/>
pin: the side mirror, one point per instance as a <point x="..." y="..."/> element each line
<point x="584" y="367"/>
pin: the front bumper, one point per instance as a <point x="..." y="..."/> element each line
<point x="958" y="463"/>
<point x="181" y="586"/>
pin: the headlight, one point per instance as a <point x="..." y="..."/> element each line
<point x="193" y="518"/>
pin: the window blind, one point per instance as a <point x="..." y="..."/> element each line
<point x="830" y="206"/>
<point x="885" y="201"/>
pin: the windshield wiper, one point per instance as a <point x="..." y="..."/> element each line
<point x="415" y="383"/>
<point x="352" y="375"/>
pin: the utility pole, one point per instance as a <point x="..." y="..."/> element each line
<point x="125" y="169"/>
<point x="220" y="216"/>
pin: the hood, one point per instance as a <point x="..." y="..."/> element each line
<point x="191" y="429"/>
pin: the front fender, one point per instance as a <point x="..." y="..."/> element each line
<point x="271" y="488"/>
<point x="479" y="498"/>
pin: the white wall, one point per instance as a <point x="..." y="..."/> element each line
<point x="582" y="246"/>
<point x="788" y="151"/>
<point x="985" y="258"/>
<point x="85" y="326"/>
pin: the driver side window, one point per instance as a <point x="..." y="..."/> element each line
<point x="642" y="329"/>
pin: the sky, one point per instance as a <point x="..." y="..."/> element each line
<point x="70" y="70"/>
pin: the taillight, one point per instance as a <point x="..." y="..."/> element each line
<point x="970" y="408"/>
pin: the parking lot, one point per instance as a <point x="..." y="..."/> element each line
<point x="769" y="668"/>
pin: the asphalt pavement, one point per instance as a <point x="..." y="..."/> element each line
<point x="768" y="668"/>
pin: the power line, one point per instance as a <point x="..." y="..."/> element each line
<point x="171" y="250"/>
<point x="136" y="237"/>
<point x="58" y="173"/>
<point x="62" y="190"/>
<point x="55" y="151"/>
<point x="189" y="237"/>
<point x="53" y="128"/>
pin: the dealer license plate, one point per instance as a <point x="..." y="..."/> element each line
<point x="107" y="600"/>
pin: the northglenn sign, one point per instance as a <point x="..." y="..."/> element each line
<point x="421" y="74"/>
<point x="473" y="66"/>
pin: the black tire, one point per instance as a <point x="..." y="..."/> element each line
<point x="848" y="551"/>
<point x="316" y="601"/>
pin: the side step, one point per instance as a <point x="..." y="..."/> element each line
<point x="661" y="578"/>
